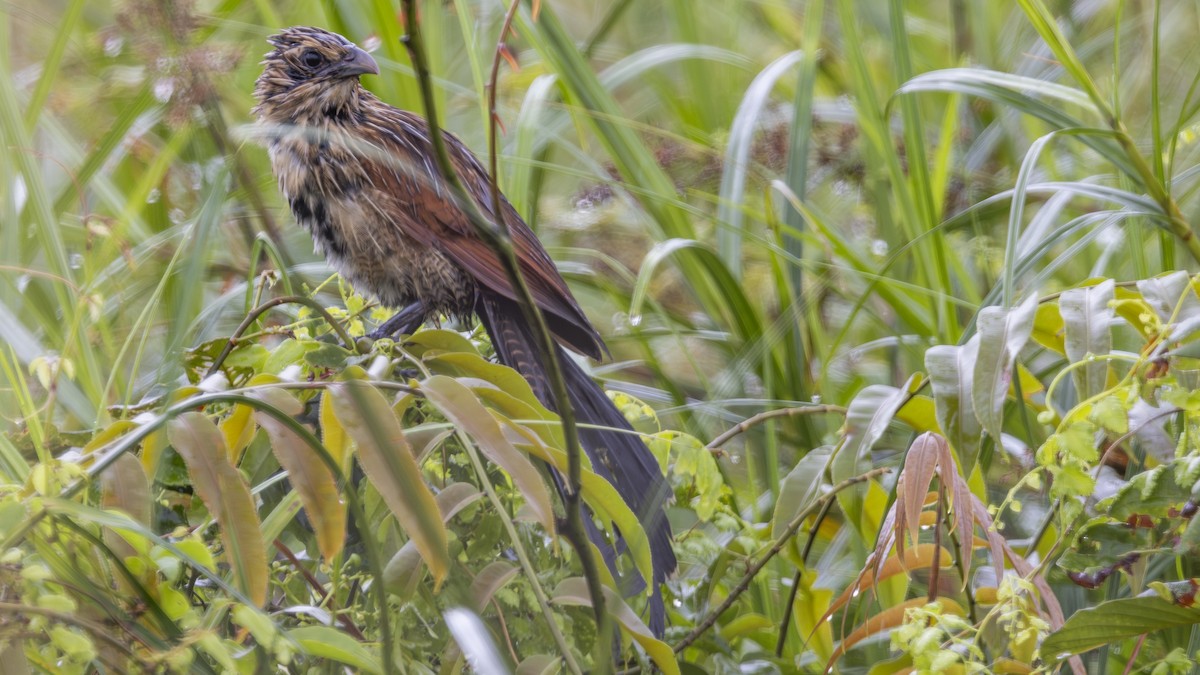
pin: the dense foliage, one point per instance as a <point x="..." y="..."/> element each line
<point x="899" y="294"/>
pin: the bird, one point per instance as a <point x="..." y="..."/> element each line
<point x="359" y="175"/>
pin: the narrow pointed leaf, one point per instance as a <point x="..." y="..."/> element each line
<point x="463" y="408"/>
<point x="388" y="462"/>
<point x="123" y="486"/>
<point x="952" y="373"/>
<point x="225" y="493"/>
<point x="574" y="591"/>
<point x="539" y="664"/>
<point x="597" y="492"/>
<point x="324" y="642"/>
<point x="404" y="570"/>
<point x="800" y="487"/>
<point x="316" y="485"/>
<point x="333" y="435"/>
<point x="489" y="580"/>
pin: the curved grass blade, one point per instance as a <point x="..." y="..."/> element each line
<point x="732" y="195"/>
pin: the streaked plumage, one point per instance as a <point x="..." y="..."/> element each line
<point x="358" y="175"/>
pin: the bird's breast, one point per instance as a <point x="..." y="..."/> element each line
<point x="361" y="232"/>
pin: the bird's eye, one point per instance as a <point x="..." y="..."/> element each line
<point x="311" y="59"/>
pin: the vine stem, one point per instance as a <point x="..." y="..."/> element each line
<point x="522" y="556"/>
<point x="496" y="236"/>
<point x="798" y="577"/>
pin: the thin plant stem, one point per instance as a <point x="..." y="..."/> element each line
<point x="707" y="622"/>
<point x="496" y="236"/>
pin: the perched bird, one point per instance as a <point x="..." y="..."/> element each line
<point x="359" y="176"/>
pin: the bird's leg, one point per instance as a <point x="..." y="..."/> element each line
<point x="403" y="322"/>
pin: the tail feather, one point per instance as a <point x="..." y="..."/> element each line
<point x="617" y="454"/>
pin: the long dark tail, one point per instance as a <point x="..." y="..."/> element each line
<point x="616" y="454"/>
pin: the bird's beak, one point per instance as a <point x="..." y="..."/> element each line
<point x="358" y="62"/>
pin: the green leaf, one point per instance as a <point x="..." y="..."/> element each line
<point x="745" y="624"/>
<point x="1048" y="28"/>
<point x="490" y="579"/>
<point x="333" y="435"/>
<point x="388" y="462"/>
<point x="123" y="486"/>
<point x="1113" y="621"/>
<point x="315" y="483"/>
<point x="952" y="374"/>
<point x="324" y="642"/>
<point x="539" y="664"/>
<point x="1078" y="441"/>
<point x="1153" y="493"/>
<point x="1171" y="296"/>
<point x="742" y="134"/>
<point x="403" y="571"/>
<point x="290" y="351"/>
<point x="328" y="356"/>
<point x="264" y="630"/>
<point x="507" y="380"/>
<point x="869" y="415"/>
<point x="1105" y="544"/>
<point x="1071" y="481"/>
<point x="432" y="343"/>
<point x="599" y="494"/>
<point x="694" y="460"/>
<point x="463" y="408"/>
<point x="800" y="488"/>
<point x="251" y="357"/>
<point x="1110" y="414"/>
<point x="1002" y="335"/>
<point x="224" y="491"/>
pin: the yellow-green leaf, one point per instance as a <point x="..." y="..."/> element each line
<point x="225" y="493"/>
<point x="123" y="486"/>
<point x="333" y="435"/>
<point x="463" y="408"/>
<point x="388" y="462"/>
<point x="238" y="430"/>
<point x="315" y="483"/>
<point x="599" y="494"/>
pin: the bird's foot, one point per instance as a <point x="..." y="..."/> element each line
<point x="404" y="322"/>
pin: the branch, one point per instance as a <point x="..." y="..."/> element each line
<point x="744" y="425"/>
<point x="323" y="596"/>
<point x="275" y="302"/>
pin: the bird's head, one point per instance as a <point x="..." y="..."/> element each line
<point x="309" y="74"/>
